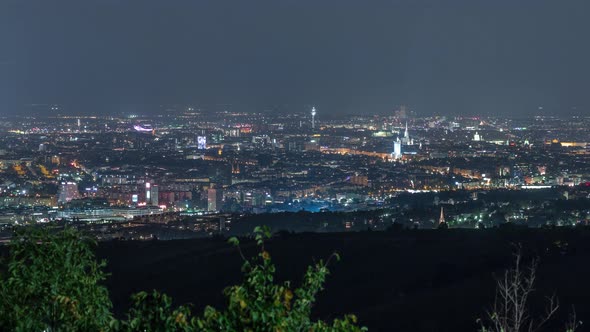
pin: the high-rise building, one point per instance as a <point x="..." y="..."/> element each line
<point x="397" y="149"/>
<point x="313" y="113"/>
<point x="214" y="199"/>
<point x="148" y="193"/>
<point x="67" y="192"/>
<point x="154" y="193"/>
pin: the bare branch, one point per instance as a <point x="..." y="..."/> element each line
<point x="573" y="323"/>
<point x="510" y="312"/>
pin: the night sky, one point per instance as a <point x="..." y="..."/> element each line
<point x="344" y="56"/>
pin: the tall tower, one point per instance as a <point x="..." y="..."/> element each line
<point x="313" y="113"/>
<point x="441" y="219"/>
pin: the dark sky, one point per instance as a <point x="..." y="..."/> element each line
<point x="451" y="56"/>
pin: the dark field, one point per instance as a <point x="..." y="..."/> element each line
<point x="439" y="280"/>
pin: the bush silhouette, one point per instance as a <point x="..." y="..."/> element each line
<point x="260" y="304"/>
<point x="53" y="283"/>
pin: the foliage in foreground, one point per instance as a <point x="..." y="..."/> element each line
<point x="154" y="312"/>
<point x="260" y="304"/>
<point x="53" y="283"/>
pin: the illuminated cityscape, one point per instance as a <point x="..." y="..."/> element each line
<point x="199" y="166"/>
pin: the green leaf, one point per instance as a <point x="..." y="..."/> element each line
<point x="233" y="241"/>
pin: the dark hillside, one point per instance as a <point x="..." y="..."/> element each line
<point x="405" y="281"/>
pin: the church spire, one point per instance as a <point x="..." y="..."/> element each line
<point x="441" y="220"/>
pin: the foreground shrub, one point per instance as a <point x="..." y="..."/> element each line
<point x="260" y="304"/>
<point x="154" y="312"/>
<point x="52" y="283"/>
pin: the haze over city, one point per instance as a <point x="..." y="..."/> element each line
<point x="347" y="57"/>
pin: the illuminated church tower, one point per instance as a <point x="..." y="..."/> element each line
<point x="441" y="220"/>
<point x="407" y="140"/>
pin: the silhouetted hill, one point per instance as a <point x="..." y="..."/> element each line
<point x="425" y="280"/>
